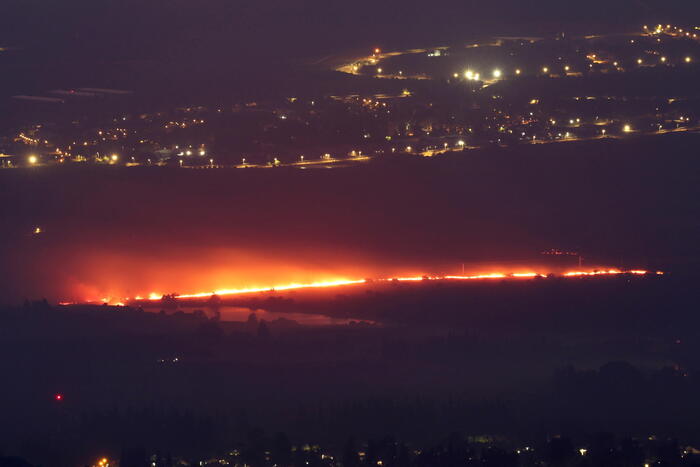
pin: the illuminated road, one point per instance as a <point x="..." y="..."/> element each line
<point x="649" y="59"/>
<point x="355" y="65"/>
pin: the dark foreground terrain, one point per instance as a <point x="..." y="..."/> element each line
<point x="513" y="362"/>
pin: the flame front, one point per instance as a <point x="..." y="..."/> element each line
<point x="154" y="296"/>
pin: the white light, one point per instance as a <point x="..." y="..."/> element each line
<point x="497" y="73"/>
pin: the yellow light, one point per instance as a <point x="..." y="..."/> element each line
<point x="32" y="159"/>
<point x="545" y="70"/>
<point x="456" y="75"/>
<point x="496" y="73"/>
<point x="469" y="74"/>
<point x="640" y="61"/>
<point x="461" y="143"/>
<point x="344" y="282"/>
<point x="37" y="230"/>
<point x="567" y="68"/>
<point x="115" y="158"/>
<point x="663" y="59"/>
<point x="517" y="72"/>
<point x="379" y="70"/>
<point x="627" y="129"/>
<point x="688" y="59"/>
<point x="377" y="51"/>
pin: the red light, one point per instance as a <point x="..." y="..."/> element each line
<point x="58" y="397"/>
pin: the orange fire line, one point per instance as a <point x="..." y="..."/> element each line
<point x="344" y="282"/>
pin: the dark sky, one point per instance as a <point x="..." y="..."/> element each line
<point x="225" y="28"/>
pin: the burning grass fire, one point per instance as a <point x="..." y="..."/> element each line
<point x="154" y="296"/>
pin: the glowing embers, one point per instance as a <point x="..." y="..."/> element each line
<point x="336" y="283"/>
<point x="345" y="282"/>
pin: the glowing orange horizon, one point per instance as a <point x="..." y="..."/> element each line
<point x="345" y="282"/>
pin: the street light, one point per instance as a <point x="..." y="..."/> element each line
<point x="32" y="160"/>
<point x="497" y="73"/>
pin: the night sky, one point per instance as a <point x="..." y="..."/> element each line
<point x="129" y="29"/>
